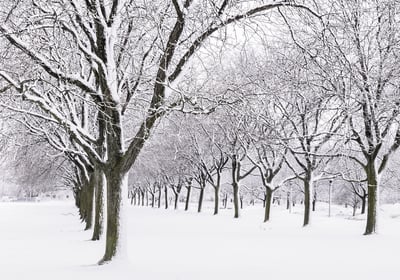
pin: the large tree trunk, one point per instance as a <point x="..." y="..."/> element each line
<point x="117" y="189"/>
<point x="201" y="198"/>
<point x="99" y="202"/>
<point x="189" y="189"/>
<point x="308" y="190"/>
<point x="268" y="198"/>
<point x="89" y="203"/>
<point x="373" y="199"/>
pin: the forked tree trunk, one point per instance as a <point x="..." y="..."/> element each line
<point x="99" y="205"/>
<point x="373" y="199"/>
<point x="268" y="199"/>
<point x="189" y="189"/>
<point x="117" y="188"/>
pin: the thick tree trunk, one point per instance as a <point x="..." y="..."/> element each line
<point x="117" y="188"/>
<point x="99" y="208"/>
<point x="90" y="186"/>
<point x="308" y="190"/>
<point x="268" y="198"/>
<point x="373" y="199"/>
<point x="189" y="189"/>
<point x="201" y="198"/>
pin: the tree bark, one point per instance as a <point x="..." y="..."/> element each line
<point x="235" y="186"/>
<point x="117" y="186"/>
<point x="176" y="201"/>
<point x="166" y="197"/>
<point x="99" y="208"/>
<point x="216" y="200"/>
<point x="373" y="199"/>
<point x="363" y="203"/>
<point x="201" y="198"/>
<point x="159" y="198"/>
<point x="189" y="189"/>
<point x="268" y="198"/>
<point x="89" y="203"/>
<point x="308" y="190"/>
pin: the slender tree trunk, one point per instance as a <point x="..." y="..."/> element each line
<point x="166" y="197"/>
<point x="132" y="197"/>
<point x="216" y="200"/>
<point x="99" y="208"/>
<point x="159" y="198"/>
<point x="363" y="204"/>
<point x="189" y="189"/>
<point x="201" y="197"/>
<point x="226" y="201"/>
<point x="176" y="201"/>
<point x="235" y="186"/>
<point x="143" y="198"/>
<point x="268" y="198"/>
<point x="153" y="198"/>
<point x="308" y="190"/>
<point x="373" y="199"/>
<point x="288" y="201"/>
<point x="117" y="186"/>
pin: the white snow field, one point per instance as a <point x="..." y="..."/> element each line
<point x="46" y="241"/>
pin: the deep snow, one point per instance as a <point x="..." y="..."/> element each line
<point x="46" y="241"/>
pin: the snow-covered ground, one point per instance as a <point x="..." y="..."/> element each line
<point x="46" y="241"/>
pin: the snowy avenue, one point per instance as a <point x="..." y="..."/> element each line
<point x="199" y="139"/>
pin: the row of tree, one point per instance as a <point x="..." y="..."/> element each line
<point x="309" y="88"/>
